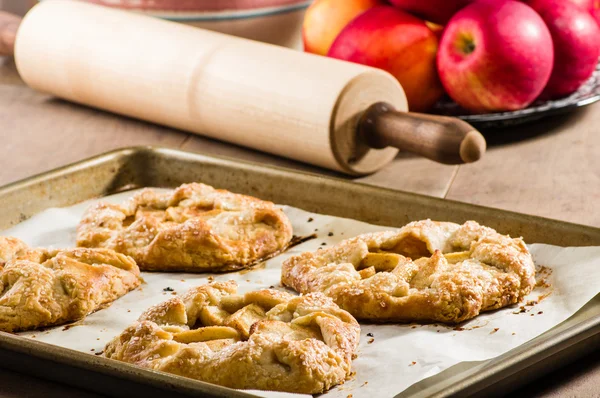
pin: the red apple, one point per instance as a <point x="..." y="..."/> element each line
<point x="390" y="39"/>
<point x="593" y="6"/>
<point x="595" y="11"/>
<point x="325" y="19"/>
<point x="495" y="56"/>
<point x="576" y="38"/>
<point x="438" y="11"/>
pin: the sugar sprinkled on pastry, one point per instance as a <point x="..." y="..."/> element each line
<point x="40" y="288"/>
<point x="266" y="339"/>
<point x="193" y="228"/>
<point x="426" y="271"/>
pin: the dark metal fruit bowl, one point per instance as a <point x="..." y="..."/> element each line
<point x="587" y="94"/>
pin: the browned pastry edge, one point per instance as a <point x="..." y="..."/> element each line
<point x="10" y="248"/>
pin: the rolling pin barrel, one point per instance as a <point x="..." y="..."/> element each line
<point x="273" y="99"/>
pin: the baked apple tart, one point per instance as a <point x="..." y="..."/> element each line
<point x="193" y="228"/>
<point x="266" y="339"/>
<point x="426" y="271"/>
<point x="40" y="287"/>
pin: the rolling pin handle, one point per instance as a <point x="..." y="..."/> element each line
<point x="443" y="139"/>
<point x="9" y="24"/>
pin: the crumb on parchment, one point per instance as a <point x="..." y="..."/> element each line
<point x="522" y="309"/>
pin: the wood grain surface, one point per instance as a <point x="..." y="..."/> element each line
<point x="41" y="133"/>
<point x="15" y="385"/>
<point x="550" y="169"/>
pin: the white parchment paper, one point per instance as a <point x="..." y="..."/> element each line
<point x="391" y="357"/>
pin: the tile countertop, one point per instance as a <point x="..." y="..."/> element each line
<point x="550" y="169"/>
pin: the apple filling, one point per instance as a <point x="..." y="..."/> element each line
<point x="207" y="333"/>
<point x="219" y="321"/>
<point x="231" y="318"/>
<point x="375" y="262"/>
<point x="410" y="248"/>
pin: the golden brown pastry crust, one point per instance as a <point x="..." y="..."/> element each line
<point x="267" y="339"/>
<point x="192" y="228"/>
<point x="10" y="248"/>
<point x="49" y="287"/>
<point x="457" y="272"/>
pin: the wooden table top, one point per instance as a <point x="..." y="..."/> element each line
<point x="550" y="169"/>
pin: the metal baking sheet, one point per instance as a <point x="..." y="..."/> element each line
<point x="138" y="167"/>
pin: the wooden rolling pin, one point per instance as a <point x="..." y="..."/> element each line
<point x="333" y="114"/>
